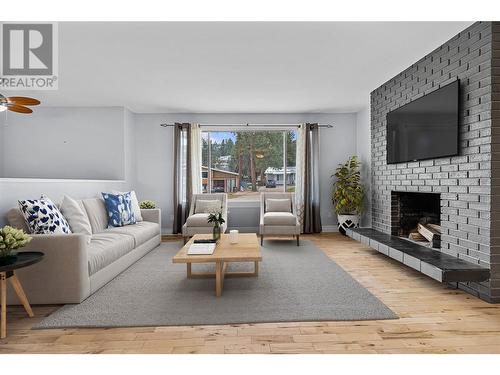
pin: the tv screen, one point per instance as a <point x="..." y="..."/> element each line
<point x="425" y="128"/>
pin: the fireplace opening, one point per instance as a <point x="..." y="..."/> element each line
<point x="416" y="216"/>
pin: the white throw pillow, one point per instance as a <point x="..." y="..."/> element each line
<point x="43" y="217"/>
<point x="136" y="209"/>
<point x="76" y="216"/>
<point x="207" y="206"/>
<point x="278" y="205"/>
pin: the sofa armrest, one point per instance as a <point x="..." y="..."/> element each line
<point x="153" y="215"/>
<point x="63" y="274"/>
<point x="262" y="209"/>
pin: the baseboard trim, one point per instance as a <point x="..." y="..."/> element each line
<point x="330" y="228"/>
<point x="326" y="229"/>
<point x="171" y="237"/>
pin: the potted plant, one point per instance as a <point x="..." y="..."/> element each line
<point x="147" y="204"/>
<point x="217" y="220"/>
<point x="11" y="239"/>
<point x="348" y="194"/>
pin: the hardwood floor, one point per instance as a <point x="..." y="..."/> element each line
<point x="433" y="319"/>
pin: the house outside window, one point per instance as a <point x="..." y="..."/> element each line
<point x="245" y="163"/>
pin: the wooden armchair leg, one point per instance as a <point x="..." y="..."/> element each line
<point x="261" y="240"/>
<point x="298" y="240"/>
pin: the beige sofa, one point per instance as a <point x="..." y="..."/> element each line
<point x="75" y="266"/>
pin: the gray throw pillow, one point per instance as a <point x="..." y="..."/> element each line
<point x="278" y="205"/>
<point x="207" y="206"/>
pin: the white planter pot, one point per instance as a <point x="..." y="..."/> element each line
<point x="347" y="222"/>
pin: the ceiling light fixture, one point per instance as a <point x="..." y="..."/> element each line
<point x="17" y="104"/>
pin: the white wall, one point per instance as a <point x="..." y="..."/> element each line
<point x="95" y="142"/>
<point x="142" y="153"/>
<point x="336" y="146"/>
<point x="154" y="151"/>
<point x="64" y="143"/>
<point x="129" y="148"/>
<point x="155" y="168"/>
<point x="363" y="150"/>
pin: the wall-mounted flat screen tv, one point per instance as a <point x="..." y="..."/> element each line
<point x="425" y="128"/>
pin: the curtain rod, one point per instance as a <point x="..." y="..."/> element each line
<point x="249" y="125"/>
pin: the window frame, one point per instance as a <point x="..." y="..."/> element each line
<point x="213" y="128"/>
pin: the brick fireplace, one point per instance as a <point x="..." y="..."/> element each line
<point x="408" y="209"/>
<point x="467" y="185"/>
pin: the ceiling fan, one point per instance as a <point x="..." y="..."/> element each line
<point x="17" y="103"/>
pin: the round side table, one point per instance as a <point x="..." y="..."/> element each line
<point x="24" y="259"/>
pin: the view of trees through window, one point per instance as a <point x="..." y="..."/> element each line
<point x="244" y="163"/>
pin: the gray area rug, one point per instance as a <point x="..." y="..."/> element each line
<point x="294" y="284"/>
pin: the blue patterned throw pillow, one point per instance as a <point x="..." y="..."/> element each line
<point x="119" y="207"/>
<point x="43" y="217"/>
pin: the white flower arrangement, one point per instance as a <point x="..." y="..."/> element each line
<point x="12" y="239"/>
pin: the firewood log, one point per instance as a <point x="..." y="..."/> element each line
<point x="432" y="235"/>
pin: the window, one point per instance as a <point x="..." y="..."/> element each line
<point x="244" y="163"/>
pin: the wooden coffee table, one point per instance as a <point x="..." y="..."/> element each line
<point x="246" y="250"/>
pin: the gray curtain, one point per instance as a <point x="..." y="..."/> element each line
<point x="312" y="218"/>
<point x="182" y="175"/>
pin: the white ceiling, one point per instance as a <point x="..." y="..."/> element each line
<point x="235" y="67"/>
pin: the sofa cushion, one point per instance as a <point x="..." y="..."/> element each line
<point x="207" y="206"/>
<point x="15" y="219"/>
<point x="198" y="220"/>
<point x="136" y="208"/>
<point x="75" y="214"/>
<point x="43" y="216"/>
<point x="279" y="218"/>
<point x="107" y="247"/>
<point x="141" y="232"/>
<point x="119" y="208"/>
<point x="278" y="205"/>
<point x="97" y="214"/>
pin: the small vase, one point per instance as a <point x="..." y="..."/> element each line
<point x="216" y="232"/>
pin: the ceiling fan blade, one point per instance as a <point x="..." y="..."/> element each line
<point x="19" y="108"/>
<point x="23" y="100"/>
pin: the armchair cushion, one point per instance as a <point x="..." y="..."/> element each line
<point x="207" y="206"/>
<point x="279" y="218"/>
<point x="198" y="220"/>
<point x="278" y="205"/>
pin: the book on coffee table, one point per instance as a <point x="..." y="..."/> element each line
<point x="201" y="249"/>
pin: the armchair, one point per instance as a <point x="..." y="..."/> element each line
<point x="278" y="216"/>
<point x="197" y="223"/>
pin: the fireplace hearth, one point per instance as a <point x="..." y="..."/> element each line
<point x="416" y="216"/>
